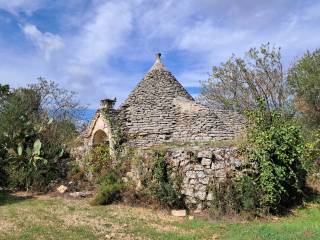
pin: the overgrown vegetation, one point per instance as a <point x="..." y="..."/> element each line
<point x="35" y="130"/>
<point x="97" y="162"/>
<point x="235" y="195"/>
<point x="155" y="183"/>
<point x="110" y="187"/>
<point x="276" y="148"/>
<point x="278" y="153"/>
<point x="274" y="177"/>
<point x="165" y="184"/>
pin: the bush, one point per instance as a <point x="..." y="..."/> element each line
<point x="275" y="175"/>
<point x="247" y="194"/>
<point x="276" y="149"/>
<point x="312" y="161"/>
<point x="109" y="190"/>
<point x="164" y="187"/>
<point x="233" y="196"/>
<point x="98" y="162"/>
<point x="224" y="198"/>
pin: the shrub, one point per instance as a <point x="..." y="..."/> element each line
<point x="233" y="196"/>
<point x="247" y="194"/>
<point x="224" y="198"/>
<point x="98" y="161"/>
<point x="275" y="175"/>
<point x="109" y="190"/>
<point x="165" y="187"/>
<point x="312" y="158"/>
<point x="276" y="149"/>
<point x="108" y="193"/>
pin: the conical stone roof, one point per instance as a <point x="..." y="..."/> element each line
<point x="158" y="87"/>
<point x="160" y="109"/>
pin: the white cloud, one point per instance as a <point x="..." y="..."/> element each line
<point x="204" y="36"/>
<point x="46" y="42"/>
<point x="17" y="6"/>
<point x="104" y="33"/>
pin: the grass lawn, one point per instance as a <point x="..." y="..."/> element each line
<point x="45" y="217"/>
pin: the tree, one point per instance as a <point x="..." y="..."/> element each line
<point x="57" y="102"/>
<point x="240" y="84"/>
<point x="4" y="93"/>
<point x="304" y="82"/>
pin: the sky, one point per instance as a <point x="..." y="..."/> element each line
<point x="103" y="48"/>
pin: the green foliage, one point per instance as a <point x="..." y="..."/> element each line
<point x="117" y="134"/>
<point x="275" y="175"/>
<point x="276" y="149"/>
<point x="164" y="186"/>
<point x="312" y="157"/>
<point x="247" y="193"/>
<point x="98" y="161"/>
<point x="33" y="144"/>
<point x="235" y="195"/>
<point x="109" y="190"/>
<point x="4" y="93"/>
<point x="303" y="79"/>
<point x="224" y="198"/>
<point x="106" y="173"/>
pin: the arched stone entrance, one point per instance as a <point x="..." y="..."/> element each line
<point x="100" y="137"/>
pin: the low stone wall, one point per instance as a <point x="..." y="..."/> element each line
<point x="201" y="168"/>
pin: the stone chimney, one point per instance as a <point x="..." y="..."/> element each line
<point x="107" y="104"/>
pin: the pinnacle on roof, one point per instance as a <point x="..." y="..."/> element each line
<point x="158" y="64"/>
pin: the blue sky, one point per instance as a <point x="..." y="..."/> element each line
<point x="102" y="48"/>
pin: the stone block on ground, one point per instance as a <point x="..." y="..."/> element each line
<point x="179" y="213"/>
<point x="62" y="189"/>
<point x="80" y="194"/>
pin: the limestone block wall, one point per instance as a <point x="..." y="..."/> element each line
<point x="201" y="168"/>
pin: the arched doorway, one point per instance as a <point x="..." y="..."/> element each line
<point x="100" y="137"/>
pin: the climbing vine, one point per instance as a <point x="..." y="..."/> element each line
<point x="117" y="135"/>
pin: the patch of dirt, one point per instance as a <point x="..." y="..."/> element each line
<point x="37" y="195"/>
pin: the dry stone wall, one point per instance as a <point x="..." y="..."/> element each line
<point x="201" y="168"/>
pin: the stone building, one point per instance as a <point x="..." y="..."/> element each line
<point x="160" y="110"/>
